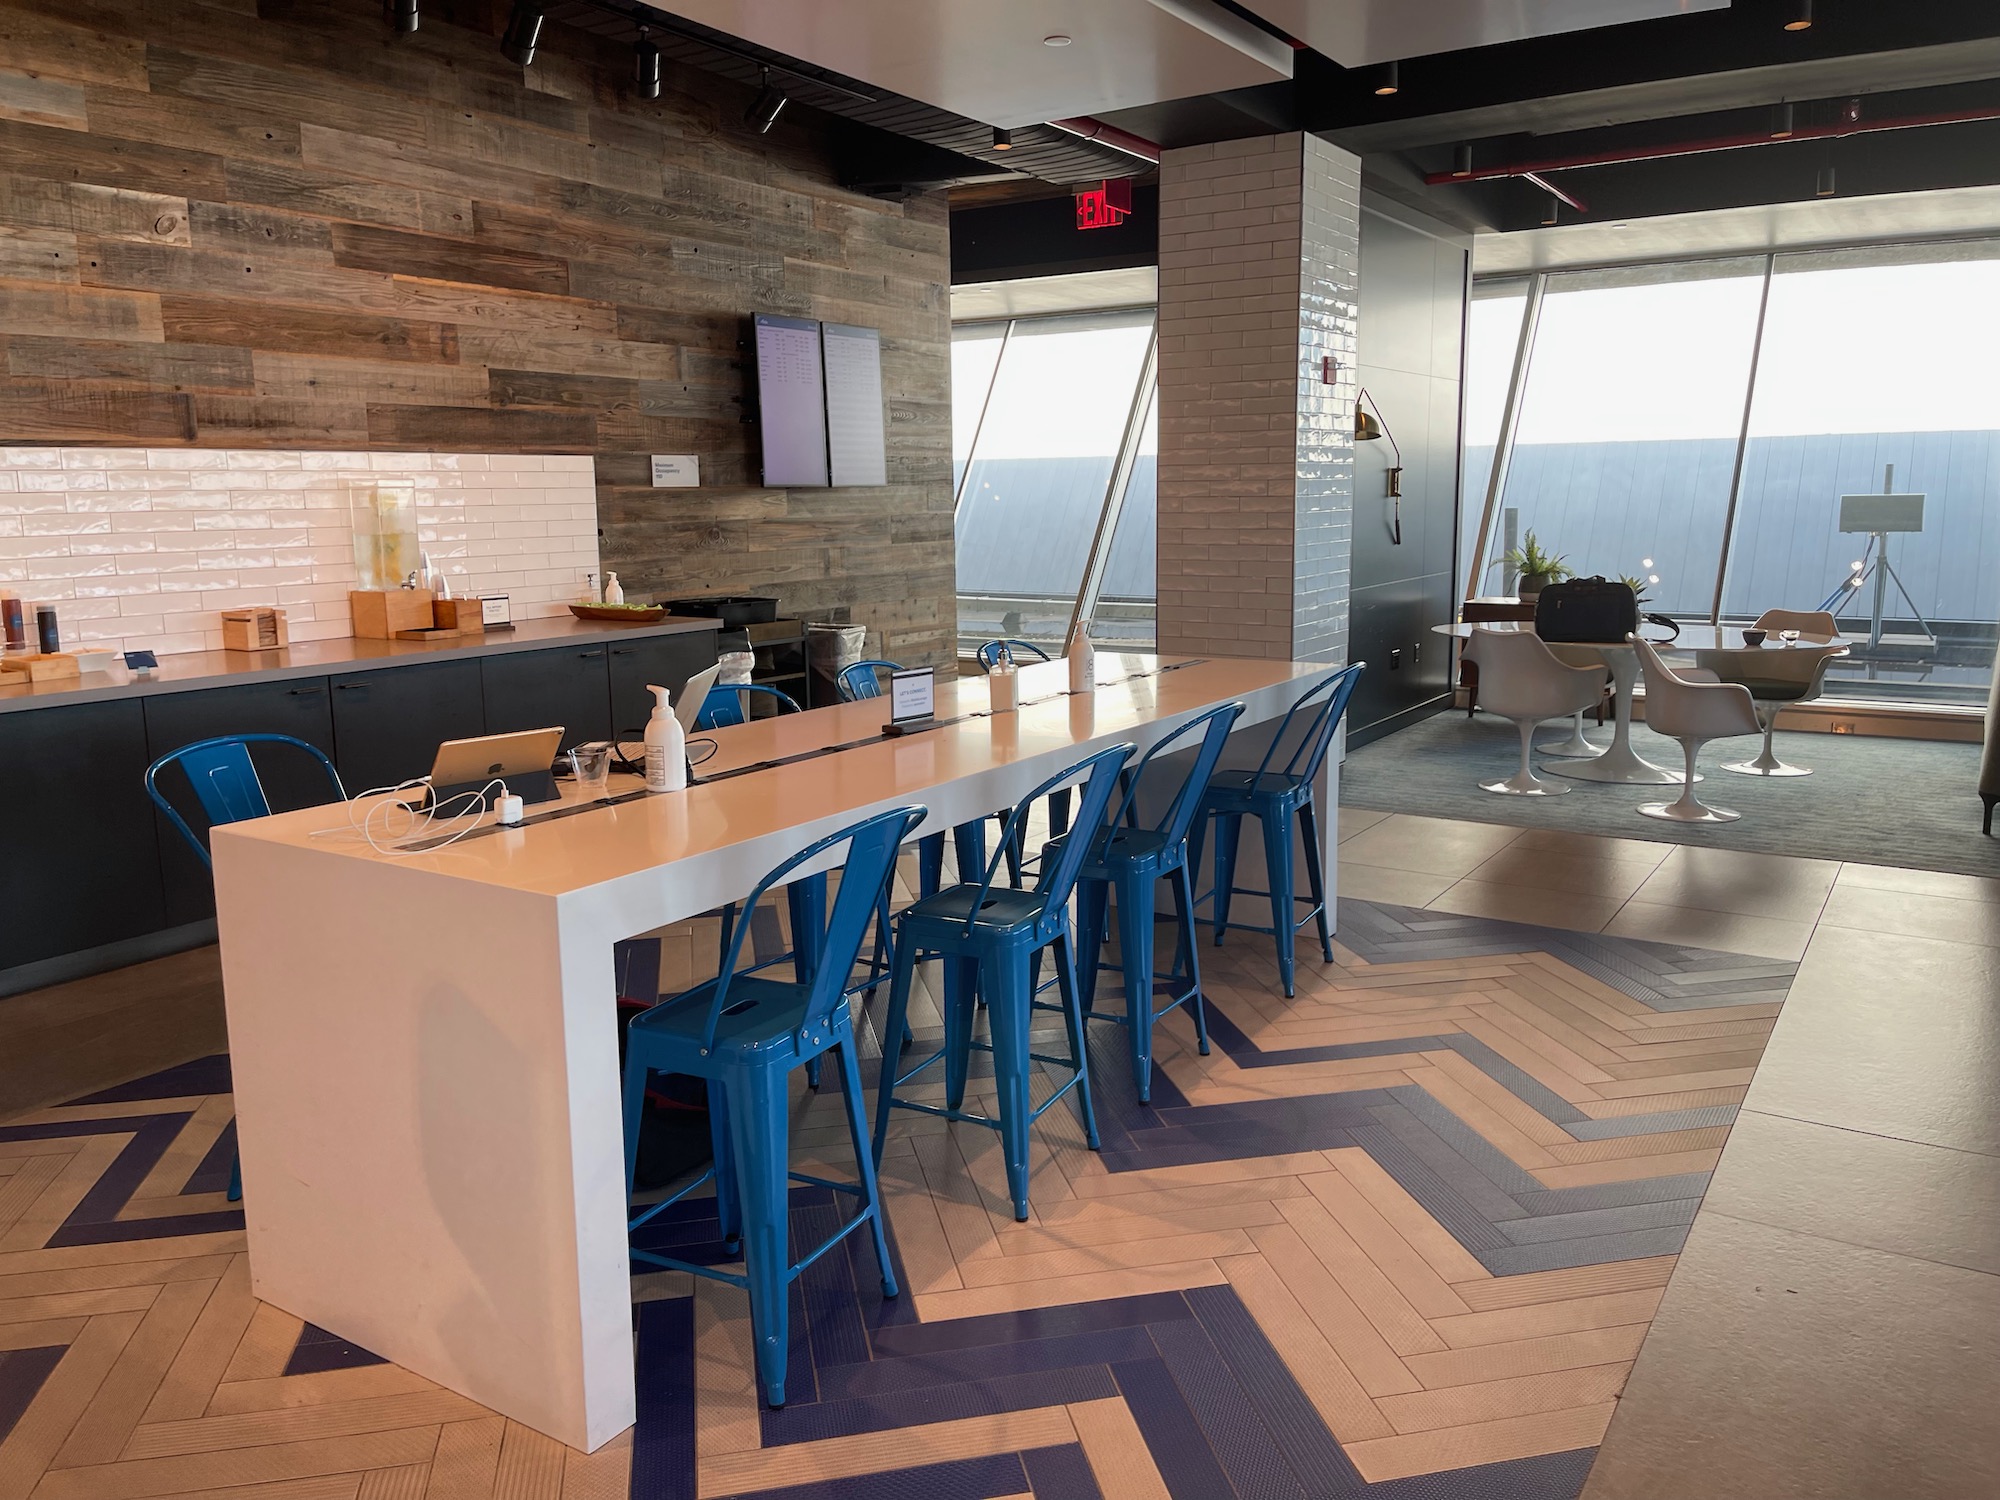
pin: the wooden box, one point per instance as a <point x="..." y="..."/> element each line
<point x="259" y="629"/>
<point x="462" y="615"/>
<point x="40" y="666"/>
<point x="379" y="614"/>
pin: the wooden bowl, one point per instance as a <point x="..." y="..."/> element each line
<point x="620" y="614"/>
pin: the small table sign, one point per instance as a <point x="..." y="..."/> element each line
<point x="912" y="700"/>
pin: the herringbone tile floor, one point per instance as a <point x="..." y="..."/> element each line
<point x="1399" y="1237"/>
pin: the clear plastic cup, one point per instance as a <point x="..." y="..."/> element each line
<point x="592" y="764"/>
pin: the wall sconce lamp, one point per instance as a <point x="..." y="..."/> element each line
<point x="1368" y="429"/>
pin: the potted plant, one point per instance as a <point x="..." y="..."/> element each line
<point x="1537" y="568"/>
<point x="1637" y="585"/>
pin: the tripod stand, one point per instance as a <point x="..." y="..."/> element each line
<point x="1879" y="515"/>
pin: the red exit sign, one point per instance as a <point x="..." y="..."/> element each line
<point x="1105" y="206"/>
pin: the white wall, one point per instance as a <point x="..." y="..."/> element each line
<point x="141" y="547"/>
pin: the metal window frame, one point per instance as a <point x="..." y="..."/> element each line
<point x="1510" y="421"/>
<point x="1083" y="608"/>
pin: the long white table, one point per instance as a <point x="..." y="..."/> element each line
<point x="425" y="1047"/>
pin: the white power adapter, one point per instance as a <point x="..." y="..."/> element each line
<point x="508" y="809"/>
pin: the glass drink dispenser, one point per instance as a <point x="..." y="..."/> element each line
<point x="384" y="517"/>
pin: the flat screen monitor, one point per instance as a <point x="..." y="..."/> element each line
<point x="791" y="401"/>
<point x="854" y="434"/>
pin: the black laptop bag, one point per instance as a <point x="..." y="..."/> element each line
<point x="1587" y="609"/>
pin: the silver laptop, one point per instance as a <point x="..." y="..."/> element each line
<point x="688" y="707"/>
<point x="524" y="756"/>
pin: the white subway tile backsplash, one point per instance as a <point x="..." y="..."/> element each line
<point x="143" y="547"/>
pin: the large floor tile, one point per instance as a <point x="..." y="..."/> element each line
<point x="1898" y="1036"/>
<point x="1394" y="887"/>
<point x="1355" y="820"/>
<point x="1913" y="915"/>
<point x="1430" y="845"/>
<point x="1784" y="1366"/>
<point x="1594" y="845"/>
<point x="1919" y="882"/>
<point x="1766" y="937"/>
<point x="1604" y="877"/>
<point x="1927" y="1201"/>
<point x="1527" y="903"/>
<point x="1751" y="885"/>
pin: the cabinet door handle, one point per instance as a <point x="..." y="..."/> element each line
<point x="312" y="692"/>
<point x="590" y="655"/>
<point x="623" y="651"/>
<point x="352" y="687"/>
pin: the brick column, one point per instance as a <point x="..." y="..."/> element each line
<point x="1259" y="250"/>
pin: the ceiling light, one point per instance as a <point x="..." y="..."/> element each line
<point x="1461" y="160"/>
<point x="1057" y="39"/>
<point x="403" y="15"/>
<point x="766" y="107"/>
<point x="1827" y="185"/>
<point x="646" y="66"/>
<point x="1783" y="122"/>
<point x="1553" y="213"/>
<point x="524" y="32"/>
<point x="1003" y="140"/>
<point x="1386" y="79"/>
<point x="1801" y="17"/>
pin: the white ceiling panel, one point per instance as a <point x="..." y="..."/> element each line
<point x="1353" y="32"/>
<point x="986" y="59"/>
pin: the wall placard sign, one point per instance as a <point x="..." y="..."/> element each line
<point x="676" y="471"/>
<point x="912" y="700"/>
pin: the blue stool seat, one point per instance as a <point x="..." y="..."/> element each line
<point x="226" y="788"/>
<point x="991" y="942"/>
<point x="745" y="1035"/>
<point x="1132" y="860"/>
<point x="1279" y="799"/>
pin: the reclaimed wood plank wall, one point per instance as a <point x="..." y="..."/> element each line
<point x="245" y="223"/>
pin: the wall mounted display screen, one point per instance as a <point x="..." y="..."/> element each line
<point x="855" y="442"/>
<point x="791" y="401"/>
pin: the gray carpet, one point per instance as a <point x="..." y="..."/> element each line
<point x="1877" y="801"/>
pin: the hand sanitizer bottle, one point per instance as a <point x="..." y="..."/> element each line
<point x="614" y="591"/>
<point x="666" y="747"/>
<point x="1082" y="658"/>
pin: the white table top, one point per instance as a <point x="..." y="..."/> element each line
<point x="1691" y="638"/>
<point x="571" y="853"/>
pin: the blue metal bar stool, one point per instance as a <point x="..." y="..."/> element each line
<point x="991" y="940"/>
<point x="989" y="658"/>
<point x="729" y="703"/>
<point x="1133" y="859"/>
<point x="227" y="790"/>
<point x="1276" y="799"/>
<point x="745" y="1035"/>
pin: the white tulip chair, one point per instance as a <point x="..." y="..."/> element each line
<point x="1521" y="679"/>
<point x="1693" y="711"/>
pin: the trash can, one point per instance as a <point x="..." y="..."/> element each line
<point x="831" y="650"/>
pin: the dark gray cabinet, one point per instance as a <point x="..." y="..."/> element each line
<point x="569" y="686"/>
<point x="290" y="777"/>
<point x="666" y="661"/>
<point x="81" y="866"/>
<point x="387" y="724"/>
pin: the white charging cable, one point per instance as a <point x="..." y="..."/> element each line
<point x="418" y="821"/>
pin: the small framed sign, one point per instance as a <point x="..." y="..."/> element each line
<point x="676" y="471"/>
<point x="912" y="700"/>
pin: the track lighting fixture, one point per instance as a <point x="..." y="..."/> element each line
<point x="646" y="66"/>
<point x="766" y="107"/>
<point x="1461" y="160"/>
<point x="403" y="15"/>
<point x="1783" y="122"/>
<point x="1799" y="16"/>
<point x="1386" y="79"/>
<point x="523" y="34"/>
<point x="1003" y="140"/>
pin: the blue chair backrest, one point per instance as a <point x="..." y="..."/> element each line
<point x="871" y="849"/>
<point x="225" y="782"/>
<point x="727" y="703"/>
<point x="1331" y="693"/>
<point x="859" y="681"/>
<point x="1174" y="823"/>
<point x="1099" y="774"/>
<point x="989" y="654"/>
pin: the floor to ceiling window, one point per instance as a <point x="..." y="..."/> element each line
<point x="1633" y="447"/>
<point x="1492" y="336"/>
<point x="1043" y="409"/>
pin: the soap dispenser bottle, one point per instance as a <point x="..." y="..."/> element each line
<point x="1082" y="659"/>
<point x="614" y="591"/>
<point x="666" y="747"/>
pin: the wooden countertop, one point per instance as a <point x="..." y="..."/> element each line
<point x="193" y="670"/>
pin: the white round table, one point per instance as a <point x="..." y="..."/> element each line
<point x="1620" y="762"/>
